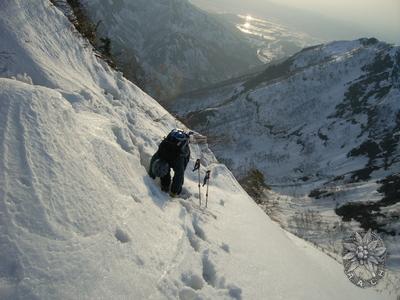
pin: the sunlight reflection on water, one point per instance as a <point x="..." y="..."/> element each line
<point x="273" y="41"/>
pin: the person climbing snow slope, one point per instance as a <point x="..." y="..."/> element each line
<point x="173" y="152"/>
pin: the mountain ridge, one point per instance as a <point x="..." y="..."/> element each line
<point x="289" y="123"/>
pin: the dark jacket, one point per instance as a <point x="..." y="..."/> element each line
<point x="178" y="163"/>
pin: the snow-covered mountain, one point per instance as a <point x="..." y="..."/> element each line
<point x="179" y="47"/>
<point x="323" y="128"/>
<point x="79" y="216"/>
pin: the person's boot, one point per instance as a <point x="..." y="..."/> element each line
<point x="165" y="189"/>
<point x="173" y="195"/>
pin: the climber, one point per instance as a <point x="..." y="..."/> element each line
<point x="173" y="152"/>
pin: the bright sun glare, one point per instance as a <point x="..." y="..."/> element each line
<point x="248" y="19"/>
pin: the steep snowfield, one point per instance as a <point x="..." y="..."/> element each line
<point x="80" y="218"/>
<point x="179" y="46"/>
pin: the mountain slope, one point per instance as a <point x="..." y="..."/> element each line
<point x="80" y="218"/>
<point x="180" y="47"/>
<point x="323" y="129"/>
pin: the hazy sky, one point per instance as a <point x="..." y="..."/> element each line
<point x="379" y="18"/>
<point x="383" y="15"/>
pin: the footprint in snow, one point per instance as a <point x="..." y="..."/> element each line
<point x="188" y="293"/>
<point x="225" y="247"/>
<point x="198" y="230"/>
<point x="218" y="282"/>
<point x="194" y="281"/>
<point x="185" y="194"/>
<point x="193" y="240"/>
<point x="137" y="200"/>
<point x="121" y="235"/>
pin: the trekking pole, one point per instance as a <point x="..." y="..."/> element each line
<point x="207" y="181"/>
<point x="197" y="167"/>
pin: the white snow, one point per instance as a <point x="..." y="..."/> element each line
<point x="287" y="129"/>
<point x="81" y="219"/>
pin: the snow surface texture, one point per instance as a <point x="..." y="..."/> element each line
<point x="179" y="47"/>
<point x="81" y="219"/>
<point x="323" y="128"/>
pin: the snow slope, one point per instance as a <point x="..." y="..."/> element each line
<point x="80" y="218"/>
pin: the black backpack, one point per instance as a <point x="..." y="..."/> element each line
<point x="171" y="147"/>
